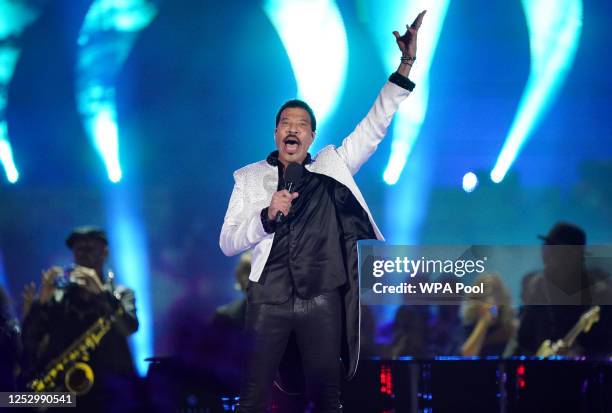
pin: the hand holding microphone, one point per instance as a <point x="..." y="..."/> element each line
<point x="281" y="200"/>
<point x="280" y="204"/>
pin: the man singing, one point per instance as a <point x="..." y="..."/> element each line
<point x="304" y="281"/>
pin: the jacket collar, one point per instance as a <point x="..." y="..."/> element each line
<point x="272" y="159"/>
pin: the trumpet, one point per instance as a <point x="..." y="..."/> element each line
<point x="78" y="376"/>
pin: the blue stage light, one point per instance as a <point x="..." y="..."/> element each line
<point x="15" y="16"/>
<point x="105" y="40"/>
<point x="106" y="138"/>
<point x="318" y="57"/>
<point x="6" y="156"/>
<point x="128" y="237"/>
<point x="554" y="34"/>
<point x="118" y="16"/>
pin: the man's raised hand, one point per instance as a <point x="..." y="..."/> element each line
<point x="408" y="41"/>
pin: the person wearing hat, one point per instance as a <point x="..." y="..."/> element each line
<point x="70" y="301"/>
<point x="556" y="297"/>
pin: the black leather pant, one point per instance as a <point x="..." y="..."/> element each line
<point x="317" y="326"/>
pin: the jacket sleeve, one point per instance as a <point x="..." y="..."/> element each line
<point x="127" y="323"/>
<point x="109" y="302"/>
<point x="240" y="231"/>
<point x="357" y="147"/>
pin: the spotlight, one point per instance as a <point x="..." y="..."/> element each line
<point x="470" y="182"/>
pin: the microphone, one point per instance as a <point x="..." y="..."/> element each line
<point x="293" y="174"/>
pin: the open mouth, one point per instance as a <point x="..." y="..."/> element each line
<point x="292" y="145"/>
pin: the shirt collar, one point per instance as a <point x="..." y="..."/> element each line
<point x="272" y="159"/>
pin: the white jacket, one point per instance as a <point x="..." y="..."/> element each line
<point x="256" y="183"/>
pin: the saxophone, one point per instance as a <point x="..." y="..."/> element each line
<point x="78" y="375"/>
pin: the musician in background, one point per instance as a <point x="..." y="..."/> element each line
<point x="69" y="302"/>
<point x="488" y="319"/>
<point x="556" y="297"/>
<point x="232" y="315"/>
<point x="410" y="330"/>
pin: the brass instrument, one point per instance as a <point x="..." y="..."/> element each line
<point x="78" y="375"/>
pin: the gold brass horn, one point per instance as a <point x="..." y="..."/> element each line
<point x="78" y="376"/>
<point x="79" y="379"/>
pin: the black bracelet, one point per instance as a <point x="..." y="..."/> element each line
<point x="402" y="81"/>
<point x="409" y="60"/>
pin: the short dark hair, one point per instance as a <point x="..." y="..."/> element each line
<point x="297" y="103"/>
